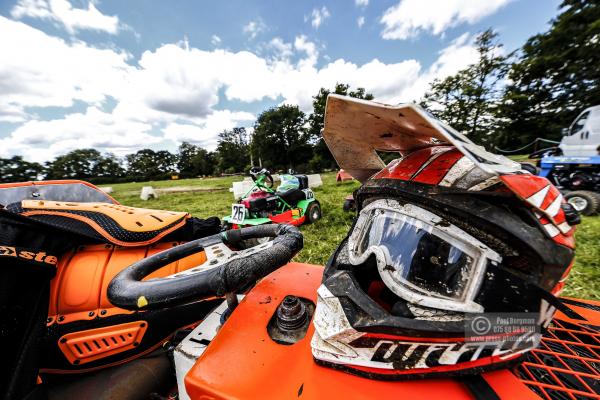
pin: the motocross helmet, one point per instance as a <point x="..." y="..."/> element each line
<point x="445" y="235"/>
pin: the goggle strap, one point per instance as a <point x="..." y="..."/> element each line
<point x="544" y="294"/>
<point x="558" y="304"/>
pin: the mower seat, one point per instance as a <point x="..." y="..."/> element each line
<point x="292" y="196"/>
<point x="303" y="180"/>
<point x="291" y="188"/>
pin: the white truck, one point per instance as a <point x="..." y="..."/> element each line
<point x="582" y="138"/>
<point x="574" y="166"/>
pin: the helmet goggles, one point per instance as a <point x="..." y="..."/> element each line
<point x="421" y="257"/>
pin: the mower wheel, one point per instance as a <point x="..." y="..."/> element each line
<point x="313" y="212"/>
<point x="349" y="205"/>
<point x="584" y="201"/>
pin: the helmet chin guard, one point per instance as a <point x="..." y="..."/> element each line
<point x="447" y="236"/>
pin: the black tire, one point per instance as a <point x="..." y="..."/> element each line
<point x="598" y="199"/>
<point x="349" y="206"/>
<point x="313" y="212"/>
<point x="584" y="201"/>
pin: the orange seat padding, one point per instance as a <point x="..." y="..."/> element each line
<point x="117" y="224"/>
<point x="129" y="218"/>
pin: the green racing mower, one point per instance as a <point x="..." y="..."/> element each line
<point x="293" y="202"/>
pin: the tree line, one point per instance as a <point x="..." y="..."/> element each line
<point x="502" y="101"/>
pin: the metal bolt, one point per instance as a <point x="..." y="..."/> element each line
<point x="291" y="313"/>
<point x="102" y="312"/>
<point x="61" y="318"/>
<point x="91" y="314"/>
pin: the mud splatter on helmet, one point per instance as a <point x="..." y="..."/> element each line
<point x="446" y="234"/>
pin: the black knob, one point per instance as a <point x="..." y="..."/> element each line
<point x="291" y="313"/>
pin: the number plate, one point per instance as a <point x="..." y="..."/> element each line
<point x="309" y="194"/>
<point x="238" y="213"/>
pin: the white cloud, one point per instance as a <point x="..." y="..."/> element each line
<point x="361" y="3"/>
<point x="301" y="43"/>
<point x="318" y="16"/>
<point x="360" y="21"/>
<point x="282" y="49"/>
<point x="460" y="53"/>
<point x="254" y="28"/>
<point x="12" y="113"/>
<point x="409" y="18"/>
<point x="186" y="82"/>
<point x="176" y="80"/>
<point x="205" y="133"/>
<point x="62" y="12"/>
<point x="38" y="70"/>
<point x="43" y="140"/>
<point x="174" y="90"/>
<point x="215" y="40"/>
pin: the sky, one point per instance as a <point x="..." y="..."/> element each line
<point x="119" y="76"/>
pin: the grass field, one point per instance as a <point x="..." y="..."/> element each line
<point x="320" y="239"/>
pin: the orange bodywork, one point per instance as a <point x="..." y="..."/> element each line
<point x="86" y="346"/>
<point x="289" y="217"/>
<point x="243" y="362"/>
<point x="78" y="292"/>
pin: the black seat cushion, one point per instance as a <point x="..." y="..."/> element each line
<point x="292" y="196"/>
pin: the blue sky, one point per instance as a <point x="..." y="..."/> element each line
<point x="119" y="76"/>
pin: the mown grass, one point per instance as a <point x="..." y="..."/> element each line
<point x="321" y="239"/>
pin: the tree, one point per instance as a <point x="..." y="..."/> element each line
<point x="149" y="164"/>
<point x="77" y="164"/>
<point x="555" y="77"/>
<point x="280" y="139"/>
<point x="194" y="161"/>
<point x="322" y="157"/>
<point x="15" y="169"/>
<point x="233" y="153"/>
<point x="108" y="167"/>
<point x="468" y="100"/>
<point x="87" y="164"/>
